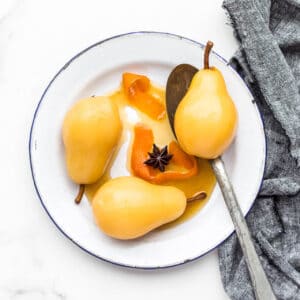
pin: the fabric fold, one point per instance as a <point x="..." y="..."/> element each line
<point x="269" y="61"/>
<point x="275" y="80"/>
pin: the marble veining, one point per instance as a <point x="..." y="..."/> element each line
<point x="9" y="11"/>
<point x="33" y="293"/>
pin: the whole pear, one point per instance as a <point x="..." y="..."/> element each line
<point x="129" y="207"/>
<point x="206" y="119"/>
<point x="91" y="130"/>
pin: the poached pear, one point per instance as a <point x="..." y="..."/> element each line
<point x="206" y="119"/>
<point x="129" y="207"/>
<point x="91" y="130"/>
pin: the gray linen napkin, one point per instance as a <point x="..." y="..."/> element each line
<point x="269" y="61"/>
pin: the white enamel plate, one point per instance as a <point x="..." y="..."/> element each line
<point x="97" y="70"/>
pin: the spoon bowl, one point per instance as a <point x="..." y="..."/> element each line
<point x="177" y="85"/>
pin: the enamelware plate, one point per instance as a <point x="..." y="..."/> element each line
<point x="97" y="70"/>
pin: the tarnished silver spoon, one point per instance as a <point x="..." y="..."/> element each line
<point x="177" y="86"/>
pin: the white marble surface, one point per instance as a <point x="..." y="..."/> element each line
<point x="36" y="39"/>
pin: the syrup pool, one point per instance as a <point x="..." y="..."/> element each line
<point x="120" y="163"/>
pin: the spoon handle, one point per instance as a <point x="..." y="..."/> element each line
<point x="261" y="285"/>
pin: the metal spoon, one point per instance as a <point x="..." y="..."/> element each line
<point x="177" y="86"/>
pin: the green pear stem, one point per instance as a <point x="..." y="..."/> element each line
<point x="208" y="47"/>
<point x="198" y="196"/>
<point x="80" y="193"/>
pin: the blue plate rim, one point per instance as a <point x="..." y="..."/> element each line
<point x="32" y="126"/>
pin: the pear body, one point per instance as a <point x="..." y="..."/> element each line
<point x="91" y="130"/>
<point x="206" y="118"/>
<point x="129" y="207"/>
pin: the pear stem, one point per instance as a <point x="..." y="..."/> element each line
<point x="199" y="196"/>
<point x="80" y="193"/>
<point x="208" y="47"/>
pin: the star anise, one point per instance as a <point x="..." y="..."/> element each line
<point x="158" y="158"/>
